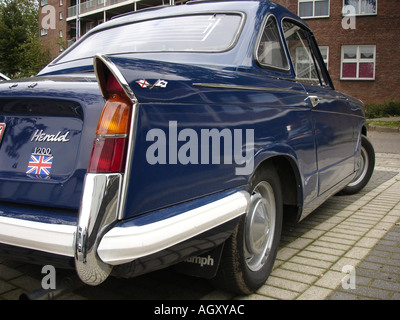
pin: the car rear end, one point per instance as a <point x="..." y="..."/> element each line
<point x="63" y="151"/>
<point x="46" y="137"/>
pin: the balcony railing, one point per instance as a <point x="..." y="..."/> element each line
<point x="93" y="5"/>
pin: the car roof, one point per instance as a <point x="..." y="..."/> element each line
<point x="196" y="6"/>
<point x="253" y="10"/>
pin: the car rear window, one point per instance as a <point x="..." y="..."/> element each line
<point x="197" y="33"/>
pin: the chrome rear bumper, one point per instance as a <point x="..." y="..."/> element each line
<point x="100" y="240"/>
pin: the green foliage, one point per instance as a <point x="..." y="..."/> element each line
<point x="387" y="109"/>
<point x="21" y="53"/>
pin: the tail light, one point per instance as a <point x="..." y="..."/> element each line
<point x="112" y="134"/>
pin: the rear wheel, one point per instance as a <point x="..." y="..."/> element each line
<point x="367" y="164"/>
<point x="249" y="254"/>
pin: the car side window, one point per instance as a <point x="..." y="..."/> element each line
<point x="270" y="51"/>
<point x="303" y="60"/>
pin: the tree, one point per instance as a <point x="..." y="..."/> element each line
<point x="21" y="53"/>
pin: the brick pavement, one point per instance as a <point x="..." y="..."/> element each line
<point x="361" y="231"/>
<point x="352" y="231"/>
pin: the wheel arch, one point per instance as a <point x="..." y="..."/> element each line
<point x="290" y="179"/>
<point x="364" y="130"/>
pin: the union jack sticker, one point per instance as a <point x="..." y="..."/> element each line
<point x="39" y="165"/>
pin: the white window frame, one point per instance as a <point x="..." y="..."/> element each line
<point x="308" y="61"/>
<point x="326" y="60"/>
<point x="313" y="16"/>
<point x="359" y="9"/>
<point x="43" y="32"/>
<point x="357" y="60"/>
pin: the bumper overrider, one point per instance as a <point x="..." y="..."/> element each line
<point x="100" y="240"/>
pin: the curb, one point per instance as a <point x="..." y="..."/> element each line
<point x="372" y="127"/>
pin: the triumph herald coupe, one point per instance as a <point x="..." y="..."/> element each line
<point x="176" y="136"/>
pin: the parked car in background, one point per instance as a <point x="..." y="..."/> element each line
<point x="3" y="77"/>
<point x="176" y="136"/>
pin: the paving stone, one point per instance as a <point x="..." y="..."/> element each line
<point x="315" y="293"/>
<point x="277" y="293"/>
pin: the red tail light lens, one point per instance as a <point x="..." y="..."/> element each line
<point x="112" y="134"/>
<point x="108" y="155"/>
<point x="113" y="85"/>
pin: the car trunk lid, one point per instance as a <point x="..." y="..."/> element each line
<point x="47" y="130"/>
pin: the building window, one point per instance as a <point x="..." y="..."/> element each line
<point x="43" y="32"/>
<point x="61" y="15"/>
<point x="313" y="8"/>
<point x="325" y="55"/>
<point x="43" y="3"/>
<point x="61" y="3"/>
<point x="60" y="33"/>
<point x="363" y="7"/>
<point x="358" y="62"/>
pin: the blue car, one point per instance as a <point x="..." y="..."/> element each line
<point x="176" y="136"/>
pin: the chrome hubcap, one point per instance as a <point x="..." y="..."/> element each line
<point x="362" y="171"/>
<point x="260" y="226"/>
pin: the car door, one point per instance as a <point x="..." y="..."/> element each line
<point x="296" y="115"/>
<point x="334" y="128"/>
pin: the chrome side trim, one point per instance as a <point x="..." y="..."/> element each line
<point x="53" y="238"/>
<point x="98" y="211"/>
<point x="244" y="87"/>
<point x="121" y="245"/>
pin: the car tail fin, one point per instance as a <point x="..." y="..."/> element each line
<point x="113" y="129"/>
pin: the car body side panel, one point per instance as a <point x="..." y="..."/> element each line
<point x="158" y="180"/>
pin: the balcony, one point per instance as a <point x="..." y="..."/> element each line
<point x="94" y="6"/>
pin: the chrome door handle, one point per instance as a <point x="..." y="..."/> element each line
<point x="314" y="100"/>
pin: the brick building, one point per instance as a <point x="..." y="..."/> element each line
<point x="53" y="28"/>
<point x="362" y="52"/>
